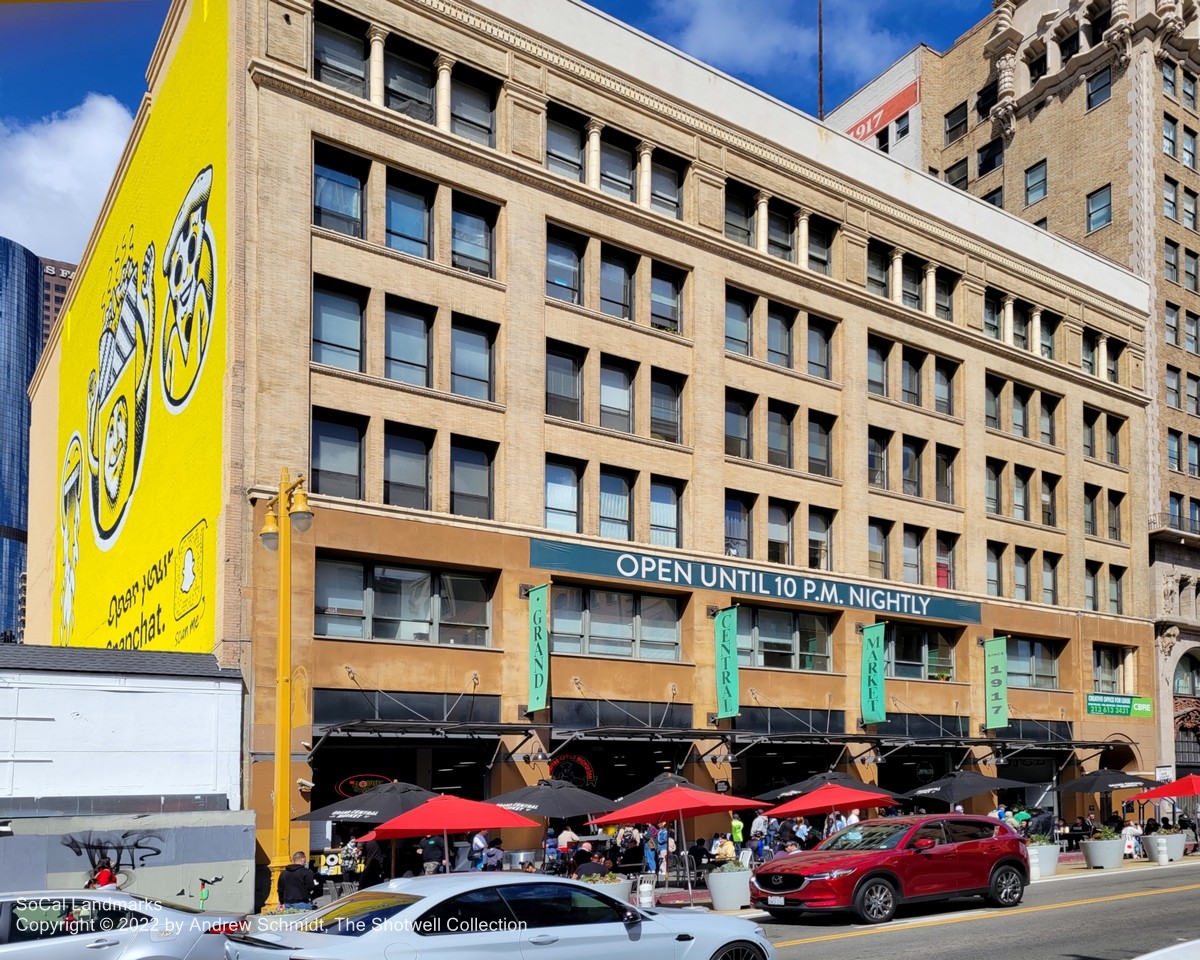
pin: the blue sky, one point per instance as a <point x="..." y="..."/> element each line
<point x="72" y="75"/>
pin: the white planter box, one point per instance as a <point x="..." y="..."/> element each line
<point x="1103" y="854"/>
<point x="730" y="891"/>
<point x="1047" y="858"/>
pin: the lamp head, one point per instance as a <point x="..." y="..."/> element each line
<point x="299" y="512"/>
<point x="269" y="534"/>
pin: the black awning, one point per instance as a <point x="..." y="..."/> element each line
<point x="417" y="728"/>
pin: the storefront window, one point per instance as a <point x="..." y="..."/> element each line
<point x="386" y="602"/>
<point x="615" y="624"/>
<point x="915" y="652"/>
<point x="1032" y="663"/>
<point x="783" y="639"/>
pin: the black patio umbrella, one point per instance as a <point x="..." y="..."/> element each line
<point x="958" y="785"/>
<point x="1106" y="781"/>
<point x="555" y="799"/>
<point x="780" y="794"/>
<point x="664" y="781"/>
<point x="377" y="805"/>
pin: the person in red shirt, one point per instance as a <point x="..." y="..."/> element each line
<point x="105" y="878"/>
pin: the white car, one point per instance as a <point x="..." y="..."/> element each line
<point x="500" y="916"/>
<point x="1177" y="951"/>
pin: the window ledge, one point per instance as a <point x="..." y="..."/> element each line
<point x="576" y="308"/>
<point x="607" y="432"/>
<point x="788" y="371"/>
<point x="366" y="378"/>
<point x="610" y="657"/>
<point x="420" y="645"/>
<point x="782" y="471"/>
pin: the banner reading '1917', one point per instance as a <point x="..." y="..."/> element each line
<point x="995" y="671"/>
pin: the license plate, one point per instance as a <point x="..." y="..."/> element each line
<point x="775" y="901"/>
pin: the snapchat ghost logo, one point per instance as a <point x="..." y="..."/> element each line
<point x="189" y="571"/>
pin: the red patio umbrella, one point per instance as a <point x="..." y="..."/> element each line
<point x="830" y="797"/>
<point x="680" y="802"/>
<point x="446" y="814"/>
<point x="1188" y="786"/>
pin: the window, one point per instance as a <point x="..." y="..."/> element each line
<point x="1114" y="516"/>
<point x="991" y="485"/>
<point x="1099" y="87"/>
<point x="617" y="282"/>
<point x="1091" y="579"/>
<point x="738" y="308"/>
<point x="914" y="539"/>
<point x="1049" y="500"/>
<point x="564" y="143"/>
<point x="471" y="225"/>
<point x="1170" y="198"/>
<point x="878" y="532"/>
<point x="992" y="315"/>
<point x="882" y="140"/>
<point x="1171" y="323"/>
<point x="738" y="411"/>
<point x="1022" y="477"/>
<point x="1020" y="410"/>
<point x="739" y="214"/>
<point x="990" y="157"/>
<point x="1168" y="78"/>
<point x="995" y="569"/>
<point x="471" y="360"/>
<point x="617" y="166"/>
<point x="956" y="174"/>
<point x="1099" y="208"/>
<point x="944" y="303"/>
<point x="1087" y="352"/>
<point x="1032" y="663"/>
<point x="665" y="396"/>
<point x="902" y="126"/>
<point x="616" y="507"/>
<point x="1090" y="419"/>
<point x="946" y="542"/>
<point x="820" y="339"/>
<point x="666" y="191"/>
<point x="737" y="524"/>
<point x="1189" y="91"/>
<point x="1170" y="136"/>
<point x="1173" y="388"/>
<point x="339" y="55"/>
<point x="1050" y="577"/>
<point x="613" y="624"/>
<point x="911" y="453"/>
<point x="564" y="394"/>
<point x="616" y="396"/>
<point x="877" y="451"/>
<point x="471" y="478"/>
<point x="1189" y="148"/>
<point x="956" y="124"/>
<point x="666" y="287"/>
<point x="945" y="473"/>
<point x="1191" y="267"/>
<point x="562" y="496"/>
<point x="820" y="432"/>
<point x="986" y="99"/>
<point x="820" y="539"/>
<point x="943" y="386"/>
<point x="877" y="361"/>
<point x="338" y="183"/>
<point x="779" y="335"/>
<point x="564" y="255"/>
<point x="1193" y="457"/>
<point x="1193" y="394"/>
<point x="1106" y="669"/>
<point x="1116" y="589"/>
<point x="779" y="232"/>
<point x="1049" y="409"/>
<point x="406" y="467"/>
<point x="1175" y="510"/>
<point x="409" y="222"/>
<point x="1113" y="427"/>
<point x="1189" y="209"/>
<point x="408" y="83"/>
<point x="779" y="531"/>
<point x="472" y="105"/>
<point x="915" y="652"/>
<point x="1191" y="334"/>
<point x="910" y="377"/>
<point x="1049" y="333"/>
<point x="1037" y="68"/>
<point x="665" y="513"/>
<point x="878" y="269"/>
<point x="820" y="246"/>
<point x="337" y="455"/>
<point x="779" y="433"/>
<point x="992" y="389"/>
<point x="1035" y="183"/>
<point x="371" y="601"/>
<point x="783" y="639"/>
<point x="912" y="284"/>
<point x="1068" y="46"/>
<point x="406" y="343"/>
<point x="994" y="197"/>
<point x="337" y="324"/>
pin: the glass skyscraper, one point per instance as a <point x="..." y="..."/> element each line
<point x="20" y="344"/>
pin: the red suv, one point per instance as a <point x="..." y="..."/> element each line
<point x="873" y="866"/>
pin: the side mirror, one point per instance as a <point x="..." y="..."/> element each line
<point x="631" y="917"/>
<point x="924" y="843"/>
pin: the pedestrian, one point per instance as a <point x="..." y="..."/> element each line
<point x="493" y="856"/>
<point x="433" y="857"/>
<point x="650" y="849"/>
<point x="727" y="851"/>
<point x="736" y="828"/>
<point x="103" y="877"/>
<point x="853" y="818"/>
<point x="296" y="884"/>
<point x="958" y="808"/>
<point x="760" y="824"/>
<point x="479" y="845"/>
<point x="372" y="860"/>
<point x="550" y="845"/>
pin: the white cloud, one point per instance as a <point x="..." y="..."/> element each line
<point x="750" y="37"/>
<point x="55" y="172"/>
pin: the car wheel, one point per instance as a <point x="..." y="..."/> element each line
<point x="1007" y="886"/>
<point x="875" y="901"/>
<point x="738" y="951"/>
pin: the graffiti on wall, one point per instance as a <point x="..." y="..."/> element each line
<point x="127" y="850"/>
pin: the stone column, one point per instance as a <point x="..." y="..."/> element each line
<point x="1006" y="319"/>
<point x="377" y="36"/>
<point x="645" y="153"/>
<point x="444" y="65"/>
<point x="593" y="128"/>
<point x="761" y="199"/>
<point x="802" y="239"/>
<point x="929" y="301"/>
<point x="1102" y="356"/>
<point x="1035" y="331"/>
<point x="896" y="276"/>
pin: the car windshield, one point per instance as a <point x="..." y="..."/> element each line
<point x="359" y="913"/>
<point x="868" y="836"/>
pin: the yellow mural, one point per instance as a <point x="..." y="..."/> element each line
<point x="140" y="388"/>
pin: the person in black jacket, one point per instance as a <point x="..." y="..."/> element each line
<point x="296" y="883"/>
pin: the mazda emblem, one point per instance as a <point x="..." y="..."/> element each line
<point x="776" y="878"/>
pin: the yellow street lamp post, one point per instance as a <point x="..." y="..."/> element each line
<point x="292" y="501"/>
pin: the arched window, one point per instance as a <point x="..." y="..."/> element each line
<point x="1187" y="677"/>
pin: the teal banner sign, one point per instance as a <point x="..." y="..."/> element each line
<point x="874" y="709"/>
<point x="745" y="581"/>
<point x="725" y="633"/>
<point x="995" y="673"/>
<point x="539" y="648"/>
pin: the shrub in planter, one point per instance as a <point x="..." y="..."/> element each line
<point x="614" y="884"/>
<point x="729" y="885"/>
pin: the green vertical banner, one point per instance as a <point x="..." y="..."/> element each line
<point x="725" y="632"/>
<point x="539" y="647"/>
<point x="871" y="698"/>
<point x="995" y="673"/>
